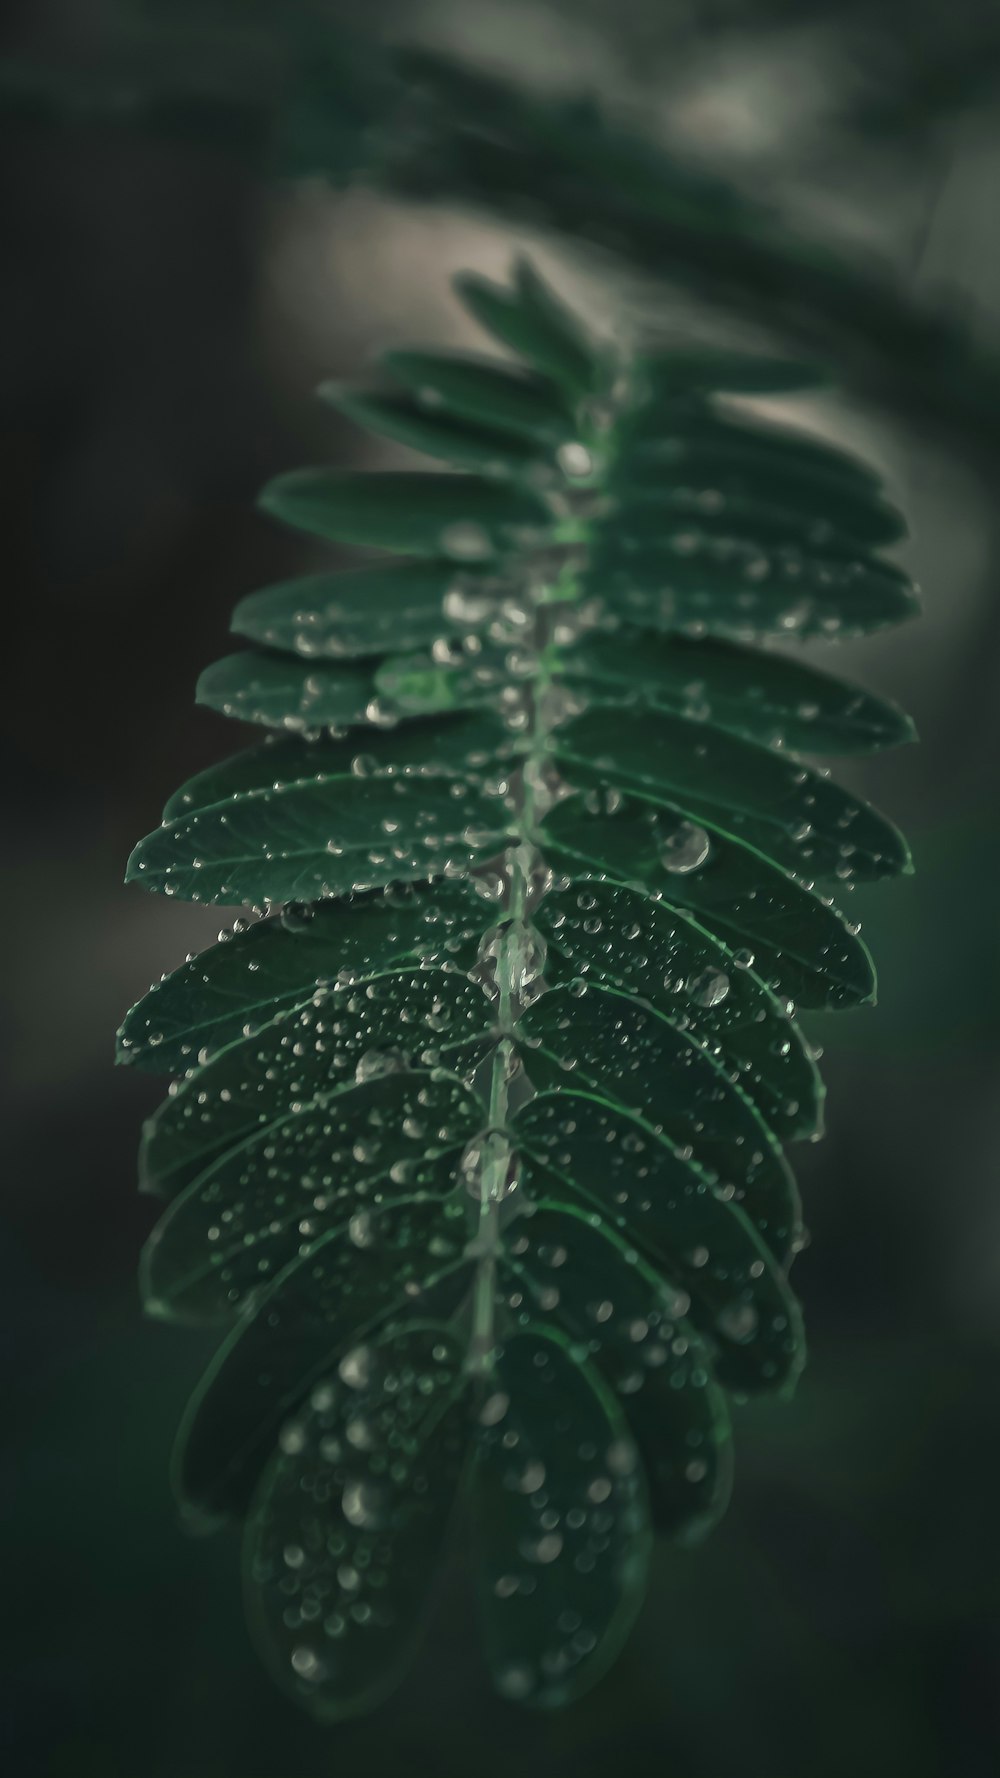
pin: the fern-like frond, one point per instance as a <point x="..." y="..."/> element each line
<point x="477" y="1149"/>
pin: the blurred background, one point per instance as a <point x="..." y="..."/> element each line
<point x="165" y="311"/>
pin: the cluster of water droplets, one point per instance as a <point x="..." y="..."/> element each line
<point x="354" y="1507"/>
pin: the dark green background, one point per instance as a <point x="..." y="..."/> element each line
<point x="163" y="316"/>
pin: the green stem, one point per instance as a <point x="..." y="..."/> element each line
<point x="493" y="1164"/>
<point x="495" y="1161"/>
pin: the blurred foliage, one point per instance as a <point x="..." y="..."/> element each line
<point x="315" y="100"/>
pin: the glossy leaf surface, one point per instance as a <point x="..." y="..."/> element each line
<point x="561" y="1507"/>
<point x="316" y="1316"/>
<point x="620" y="939"/>
<point x="300" y="1058"/>
<point x="467" y="518"/>
<point x="353" y="614"/>
<point x="802" y="947"/>
<point x="345" y="1533"/>
<point x="279" y="965"/>
<point x="434" y="433"/>
<point x="655" y="1194"/>
<point x="324" y="819"/>
<point x="617" y="1047"/>
<point x="488" y="393"/>
<point x="805" y="822"/>
<point x="632" y="1323"/>
<point x="767" y="697"/>
<point x="287" y="694"/>
<point x="343" y="1161"/>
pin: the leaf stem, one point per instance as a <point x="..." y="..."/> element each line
<point x="496" y="1158"/>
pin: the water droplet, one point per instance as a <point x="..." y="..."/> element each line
<point x="494" y="1409"/>
<point x="465" y="541"/>
<point x="738" y="1322"/>
<point x="574" y="460"/>
<point x="376" y="1063"/>
<point x="548" y="1547"/>
<point x="359" y="1229"/>
<point x="490" y="1167"/>
<point x="515" y="1681"/>
<point x="463" y="605"/>
<point x="360" y="1504"/>
<point x="685" y="849"/>
<point x="709" y="988"/>
<point x="356" y="1367"/>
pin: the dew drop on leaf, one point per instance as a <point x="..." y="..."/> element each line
<point x="464" y="541"/>
<point x="709" y="988"/>
<point x="355" y="1368"/>
<point x="574" y="460"/>
<point x="685" y="849"/>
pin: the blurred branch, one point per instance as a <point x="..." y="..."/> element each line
<point x="455" y="135"/>
<point x="68" y="99"/>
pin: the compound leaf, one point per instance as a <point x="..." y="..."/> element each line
<point x="476" y="1151"/>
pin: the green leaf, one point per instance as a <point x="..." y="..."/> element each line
<point x="269" y="846"/>
<point x="629" y="1321"/>
<point x="419" y="685"/>
<point x="448" y="749"/>
<point x="613" y="1162"/>
<point x="685" y="434"/>
<point x="296" y="696"/>
<point x="436" y="433"/>
<point x="666" y="375"/>
<point x="534" y="323"/>
<point x="316" y="1317"/>
<point x="422" y="1017"/>
<point x="484" y="391"/>
<point x="614" y="1045"/>
<point x="465" y="518"/>
<point x="322" y="820"/>
<point x="618" y="937"/>
<point x="562" y="1517"/>
<point x="802" y="821"/>
<point x="345" y="1534"/>
<point x="706" y="578"/>
<point x="764" y="696"/>
<point x="312" y="1168"/>
<point x="358" y="612"/>
<point x="278" y="965"/>
<point x="792" y="500"/>
<point x="803" y="948"/>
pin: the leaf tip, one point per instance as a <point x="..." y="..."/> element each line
<point x="136" y="864"/>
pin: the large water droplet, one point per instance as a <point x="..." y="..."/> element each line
<point x="574" y="460"/>
<point x="709" y="988"/>
<point x="490" y="1166"/>
<point x="356" y="1367"/>
<point x="685" y="849"/>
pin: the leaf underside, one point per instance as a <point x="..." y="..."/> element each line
<point x="476" y="1153"/>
